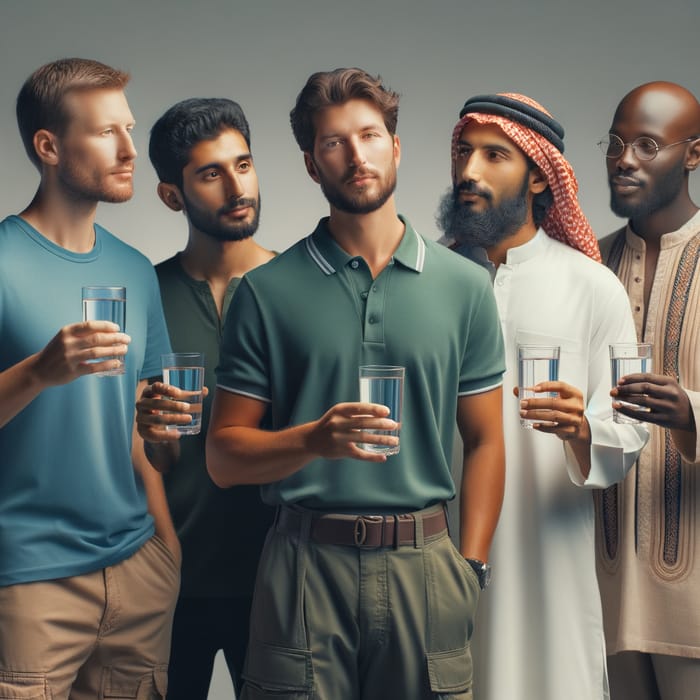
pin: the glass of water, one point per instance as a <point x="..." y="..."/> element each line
<point x="185" y="370"/>
<point x="629" y="358"/>
<point x="536" y="364"/>
<point x="102" y="303"/>
<point x="383" y="384"/>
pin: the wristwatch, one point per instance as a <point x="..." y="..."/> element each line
<point x="482" y="571"/>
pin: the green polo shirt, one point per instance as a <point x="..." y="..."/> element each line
<point x="299" y="327"/>
<point x="221" y="531"/>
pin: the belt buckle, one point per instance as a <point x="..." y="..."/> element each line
<point x="360" y="529"/>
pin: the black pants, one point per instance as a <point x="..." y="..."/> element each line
<point x="202" y="626"/>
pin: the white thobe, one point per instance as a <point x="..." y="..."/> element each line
<point x="539" y="630"/>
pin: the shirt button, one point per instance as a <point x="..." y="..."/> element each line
<point x="364" y="295"/>
<point x="372" y="319"/>
<point x="637" y="279"/>
<point x="375" y="289"/>
<point x="637" y="308"/>
<point x="354" y="264"/>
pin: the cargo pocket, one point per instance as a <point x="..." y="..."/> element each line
<point x="123" y="685"/>
<point x="23" y="686"/>
<point x="277" y="672"/>
<point x="450" y="674"/>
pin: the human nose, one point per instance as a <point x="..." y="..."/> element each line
<point x="356" y="155"/>
<point x="234" y="186"/>
<point x="127" y="150"/>
<point x="469" y="169"/>
<point x="628" y="158"/>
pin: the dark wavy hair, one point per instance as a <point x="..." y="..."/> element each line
<point x="184" y="125"/>
<point x="336" y="87"/>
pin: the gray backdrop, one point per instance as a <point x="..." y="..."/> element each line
<point x="576" y="58"/>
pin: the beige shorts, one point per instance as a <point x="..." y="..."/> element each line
<point x="105" y="634"/>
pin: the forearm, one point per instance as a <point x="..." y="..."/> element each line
<point x="162" y="455"/>
<point x="245" y="455"/>
<point x="19" y="386"/>
<point x="581" y="449"/>
<point x="481" y="498"/>
<point x="155" y="494"/>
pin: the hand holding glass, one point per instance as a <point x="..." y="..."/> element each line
<point x="629" y="358"/>
<point x="536" y="364"/>
<point x="185" y="370"/>
<point x="106" y="304"/>
<point x="383" y="384"/>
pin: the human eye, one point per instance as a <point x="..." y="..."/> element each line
<point x="646" y="147"/>
<point x="495" y="155"/>
<point x="210" y="174"/>
<point x="245" y="165"/>
<point x="463" y="151"/>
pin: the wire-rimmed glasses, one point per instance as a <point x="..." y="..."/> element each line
<point x="643" y="147"/>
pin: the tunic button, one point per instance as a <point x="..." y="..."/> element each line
<point x="637" y="308"/>
<point x="372" y="319"/>
<point x="637" y="279"/>
<point x="364" y="295"/>
<point x="375" y="289"/>
<point x="354" y="264"/>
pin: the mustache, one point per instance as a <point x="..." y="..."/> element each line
<point x="358" y="172"/>
<point x="471" y="188"/>
<point x="237" y="204"/>
<point x="621" y="179"/>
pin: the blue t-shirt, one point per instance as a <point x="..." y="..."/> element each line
<point x="70" y="501"/>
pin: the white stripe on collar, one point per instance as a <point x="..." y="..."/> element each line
<point x="317" y="256"/>
<point x="420" y="257"/>
<point x="328" y="269"/>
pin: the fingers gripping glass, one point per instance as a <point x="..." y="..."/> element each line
<point x="644" y="147"/>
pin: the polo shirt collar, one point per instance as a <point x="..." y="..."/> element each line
<point x="330" y="257"/>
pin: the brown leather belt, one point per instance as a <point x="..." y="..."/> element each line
<point x="364" y="530"/>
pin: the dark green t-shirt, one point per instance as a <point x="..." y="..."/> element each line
<point x="301" y="325"/>
<point x="221" y="530"/>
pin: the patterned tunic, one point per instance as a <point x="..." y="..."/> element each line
<point x="648" y="527"/>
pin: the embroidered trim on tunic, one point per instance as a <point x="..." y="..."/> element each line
<point x="672" y="461"/>
<point x="609" y="505"/>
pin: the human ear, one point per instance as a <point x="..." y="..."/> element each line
<point x="171" y="196"/>
<point x="692" y="159"/>
<point x="538" y="181"/>
<point x="397" y="150"/>
<point x="310" y="166"/>
<point x="46" y="147"/>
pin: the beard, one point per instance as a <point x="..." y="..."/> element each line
<point x="486" y="228"/>
<point x="89" y="186"/>
<point x="210" y="224"/>
<point x="651" y="200"/>
<point x="362" y="202"/>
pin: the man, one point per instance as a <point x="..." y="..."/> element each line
<point x="200" y="149"/>
<point x="360" y="593"/>
<point x="513" y="207"/>
<point x="648" y="547"/>
<point x="86" y="590"/>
